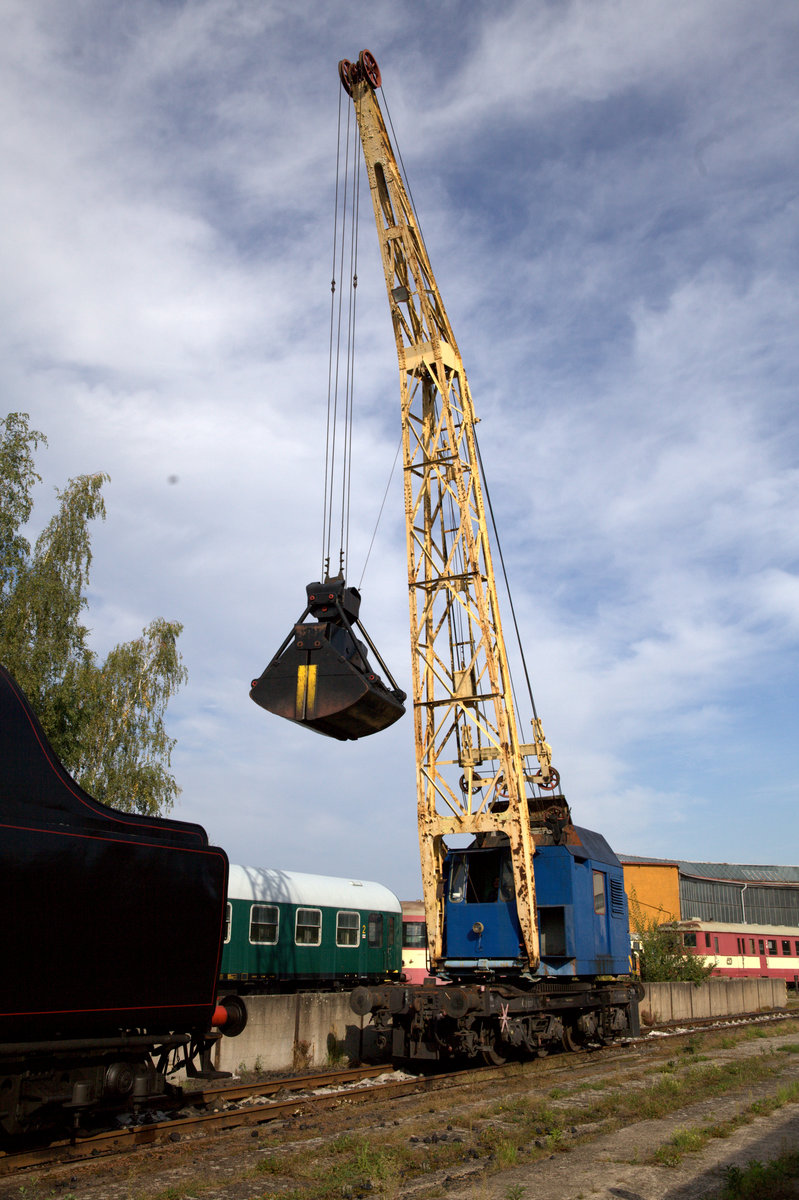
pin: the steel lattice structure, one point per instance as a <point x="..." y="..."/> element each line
<point x="470" y="762"/>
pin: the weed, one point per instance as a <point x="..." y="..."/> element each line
<point x="515" y="1192"/>
<point x="507" y="1154"/>
<point x="336" y="1053"/>
<point x="687" y="1140"/>
<point x="268" y="1165"/>
<point x="775" y="1181"/>
<point x="667" y="1156"/>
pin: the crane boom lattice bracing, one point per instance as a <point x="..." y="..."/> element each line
<point x="471" y="775"/>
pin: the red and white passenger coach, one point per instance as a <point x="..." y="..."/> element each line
<point x="740" y="951"/>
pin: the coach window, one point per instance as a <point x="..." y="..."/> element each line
<point x="599" y="893"/>
<point x="308" y="927"/>
<point x="797" y="947"/>
<point x="715" y="945"/>
<point x="414" y="934"/>
<point x="786" y="946"/>
<point x="228" y="920"/>
<point x="264" y="922"/>
<point x="771" y="943"/>
<point x="347" y="926"/>
<point x="751" y="945"/>
<point x="761" y="946"/>
<point x="707" y="941"/>
<point x="375" y="935"/>
<point x="392" y="930"/>
<point x="689" y="940"/>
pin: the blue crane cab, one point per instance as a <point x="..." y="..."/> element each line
<point x="580" y="901"/>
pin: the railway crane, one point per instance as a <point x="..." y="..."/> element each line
<point x="527" y="924"/>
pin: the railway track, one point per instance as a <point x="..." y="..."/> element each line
<point x="235" y="1105"/>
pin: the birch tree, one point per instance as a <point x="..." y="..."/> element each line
<point x="105" y="720"/>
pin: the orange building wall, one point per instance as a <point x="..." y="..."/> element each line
<point x="656" y="887"/>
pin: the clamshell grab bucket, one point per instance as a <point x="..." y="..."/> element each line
<point x="321" y="676"/>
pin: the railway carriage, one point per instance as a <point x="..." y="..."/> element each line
<point x="744" y="951"/>
<point x="288" y="931"/>
<point x="415" y="958"/>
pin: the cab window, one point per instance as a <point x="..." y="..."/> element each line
<point x="457" y="881"/>
<point x="599" y="893"/>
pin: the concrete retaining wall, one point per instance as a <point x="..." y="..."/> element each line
<point x="286" y="1033"/>
<point x="713" y="998"/>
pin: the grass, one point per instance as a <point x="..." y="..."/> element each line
<point x="687" y="1141"/>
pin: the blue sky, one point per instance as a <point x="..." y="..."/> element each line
<point x="608" y="191"/>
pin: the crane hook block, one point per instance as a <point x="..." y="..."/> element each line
<point x="321" y="676"/>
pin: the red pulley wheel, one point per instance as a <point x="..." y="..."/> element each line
<point x="345" y="71"/>
<point x="368" y="64"/>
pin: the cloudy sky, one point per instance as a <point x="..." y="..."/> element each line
<point x="608" y="191"/>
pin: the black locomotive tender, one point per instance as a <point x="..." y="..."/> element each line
<point x="107" y="986"/>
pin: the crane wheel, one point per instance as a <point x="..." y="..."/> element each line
<point x="554" y="780"/>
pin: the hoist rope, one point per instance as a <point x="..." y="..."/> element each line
<point x="330" y="351"/>
<point x="380" y="513"/>
<point x="338" y="435"/>
<point x="511" y="605"/>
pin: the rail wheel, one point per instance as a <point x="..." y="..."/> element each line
<point x="493" y="1056"/>
<point x="572" y="1039"/>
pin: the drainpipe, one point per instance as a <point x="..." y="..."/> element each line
<point x="743" y="907"/>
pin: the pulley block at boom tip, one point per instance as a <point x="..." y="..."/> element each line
<point x="365" y="68"/>
<point x="321" y="676"/>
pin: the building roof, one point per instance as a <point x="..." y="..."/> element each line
<point x="639" y="860"/>
<point x="732" y="872"/>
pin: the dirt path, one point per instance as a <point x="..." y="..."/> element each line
<point x="618" y="1164"/>
<point x="605" y="1169"/>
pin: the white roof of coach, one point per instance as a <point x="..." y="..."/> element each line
<point x="268" y="885"/>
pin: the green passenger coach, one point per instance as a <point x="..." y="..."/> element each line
<point x="287" y="931"/>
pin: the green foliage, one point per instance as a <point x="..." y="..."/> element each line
<point x="756" y="1181"/>
<point x="663" y="958"/>
<point x="104" y="720"/>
